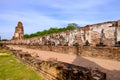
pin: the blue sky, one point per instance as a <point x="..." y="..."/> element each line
<point x="38" y="15"/>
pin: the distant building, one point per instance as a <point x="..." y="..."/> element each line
<point x="19" y="31"/>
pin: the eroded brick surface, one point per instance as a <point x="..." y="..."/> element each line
<point x="56" y="70"/>
<point x="106" y="33"/>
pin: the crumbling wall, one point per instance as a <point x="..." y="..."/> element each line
<point x="100" y="52"/>
<point x="59" y="49"/>
<point x="74" y="41"/>
<point x="118" y="34"/>
<point x="107" y="33"/>
<point x="97" y="52"/>
<point x="56" y="70"/>
<point x="104" y="33"/>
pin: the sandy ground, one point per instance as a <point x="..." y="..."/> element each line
<point x="110" y="67"/>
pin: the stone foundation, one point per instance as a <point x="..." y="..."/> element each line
<point x="100" y="52"/>
<point x="55" y="70"/>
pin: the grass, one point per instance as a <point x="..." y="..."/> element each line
<point x="11" y="69"/>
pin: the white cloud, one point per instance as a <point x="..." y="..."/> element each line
<point x="71" y="4"/>
<point x="32" y="21"/>
<point x="33" y="17"/>
<point x="38" y="15"/>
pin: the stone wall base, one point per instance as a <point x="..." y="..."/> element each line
<point x="56" y="70"/>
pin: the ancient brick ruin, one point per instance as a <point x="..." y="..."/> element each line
<point x="19" y="31"/>
<point x="98" y="40"/>
<point x="56" y="70"/>
<point x="101" y="34"/>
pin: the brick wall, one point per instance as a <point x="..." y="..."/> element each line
<point x="56" y="70"/>
<point x="100" y="52"/>
<point x="107" y="33"/>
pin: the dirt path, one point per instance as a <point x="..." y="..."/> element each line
<point x="111" y="67"/>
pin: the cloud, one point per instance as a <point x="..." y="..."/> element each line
<point x="72" y="4"/>
<point x="33" y="21"/>
<point x="38" y="15"/>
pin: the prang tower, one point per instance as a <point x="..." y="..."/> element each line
<point x="19" y="31"/>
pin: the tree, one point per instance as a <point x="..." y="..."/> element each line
<point x="74" y="25"/>
<point x="70" y="26"/>
<point x="26" y="36"/>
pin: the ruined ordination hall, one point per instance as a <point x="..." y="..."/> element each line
<point x="107" y="33"/>
<point x="101" y="40"/>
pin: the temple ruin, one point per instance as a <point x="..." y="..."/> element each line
<point x="101" y="40"/>
<point x="104" y="34"/>
<point x="19" y="31"/>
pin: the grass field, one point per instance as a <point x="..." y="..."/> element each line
<point x="11" y="69"/>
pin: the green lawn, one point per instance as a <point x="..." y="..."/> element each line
<point x="11" y="69"/>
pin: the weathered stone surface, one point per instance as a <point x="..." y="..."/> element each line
<point x="108" y="33"/>
<point x="19" y="31"/>
<point x="55" y="70"/>
<point x="99" y="51"/>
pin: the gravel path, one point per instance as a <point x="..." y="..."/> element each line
<point x="111" y="67"/>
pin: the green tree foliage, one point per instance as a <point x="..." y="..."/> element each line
<point x="73" y="24"/>
<point x="26" y="35"/>
<point x="70" y="26"/>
